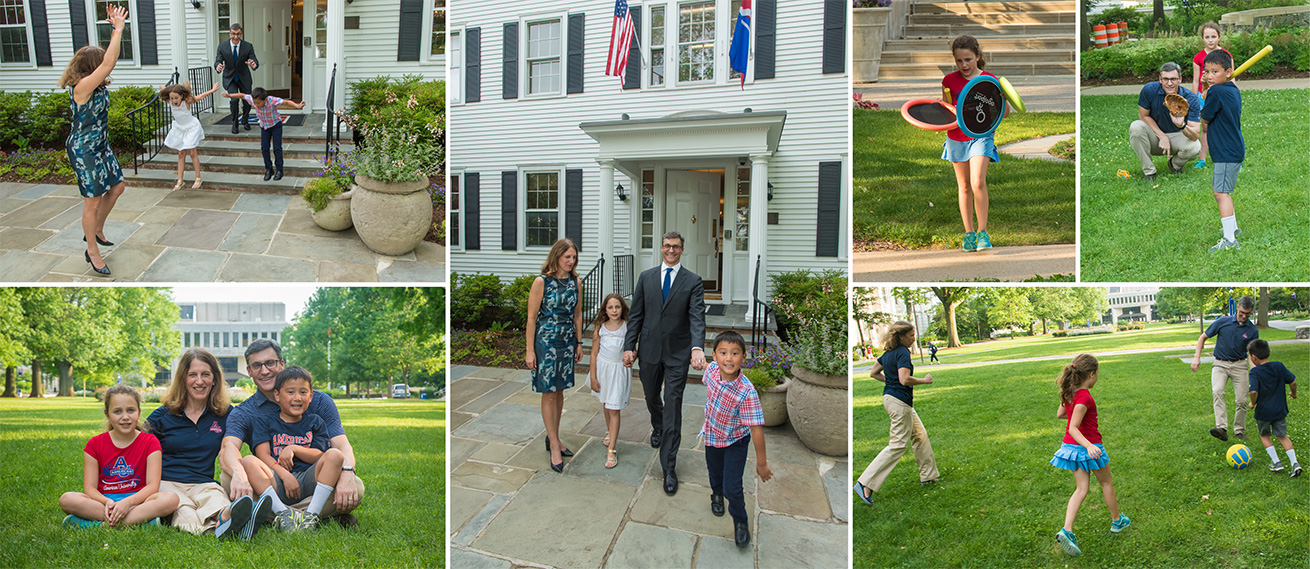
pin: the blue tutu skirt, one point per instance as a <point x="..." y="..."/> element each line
<point x="1074" y="457"/>
<point x="962" y="151"/>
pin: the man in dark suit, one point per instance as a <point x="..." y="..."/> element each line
<point x="235" y="59"/>
<point x="666" y="327"/>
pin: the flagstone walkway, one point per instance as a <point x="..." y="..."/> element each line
<point x="508" y="509"/>
<point x="192" y="235"/>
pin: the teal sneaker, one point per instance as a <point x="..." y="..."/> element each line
<point x="72" y="521"/>
<point x="1068" y="542"/>
<point x="238" y="517"/>
<point x="984" y="240"/>
<point x="1118" y="525"/>
<point x="970" y="242"/>
<point x="860" y="491"/>
<point x="1200" y="165"/>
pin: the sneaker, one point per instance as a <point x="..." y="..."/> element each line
<point x="307" y="521"/>
<point x="286" y="520"/>
<point x="1276" y="466"/>
<point x="1296" y="469"/>
<point x="238" y="517"/>
<point x="1175" y="169"/>
<point x="1241" y="436"/>
<point x="1068" y="542"/>
<point x="970" y="242"/>
<point x="72" y="521"/>
<point x="859" y="491"/>
<point x="260" y="516"/>
<point x="1149" y="177"/>
<point x="984" y="240"/>
<point x="1118" y="525"/>
<point x="1224" y="244"/>
<point x="1200" y="164"/>
<point x="1219" y="433"/>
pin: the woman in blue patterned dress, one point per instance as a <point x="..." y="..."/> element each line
<point x="99" y="178"/>
<point x="554" y="339"/>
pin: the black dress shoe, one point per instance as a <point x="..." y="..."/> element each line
<point x="557" y="467"/>
<point x="670" y="483"/>
<point x="234" y="128"/>
<point x="100" y="241"/>
<point x="716" y="504"/>
<point x="102" y="270"/>
<point x="743" y="534"/>
<point x="268" y="174"/>
<point x="278" y="175"/>
<point x="655" y="438"/>
<point x="562" y="452"/>
<point x="246" y="126"/>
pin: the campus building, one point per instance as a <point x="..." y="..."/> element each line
<point x="1133" y="303"/>
<point x="750" y="170"/>
<point x="226" y="328"/>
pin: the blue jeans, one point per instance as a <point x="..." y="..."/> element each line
<point x="273" y="135"/>
<point x="726" y="466"/>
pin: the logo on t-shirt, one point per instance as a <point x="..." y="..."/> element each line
<point x="215" y="428"/>
<point x="119" y="477"/>
<point x="120" y="469"/>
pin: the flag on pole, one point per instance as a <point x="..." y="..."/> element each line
<point x="620" y="41"/>
<point x="739" y="52"/>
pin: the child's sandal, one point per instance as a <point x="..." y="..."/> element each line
<point x="606" y="442"/>
<point x="612" y="459"/>
<point x="196" y="186"/>
<point x="178" y="185"/>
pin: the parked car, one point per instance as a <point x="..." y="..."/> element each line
<point x="399" y="391"/>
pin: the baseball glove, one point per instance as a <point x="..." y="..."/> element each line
<point x="1176" y="104"/>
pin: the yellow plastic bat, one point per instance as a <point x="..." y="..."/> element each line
<point x="1254" y="58"/>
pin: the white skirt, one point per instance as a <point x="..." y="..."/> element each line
<point x="615" y="383"/>
<point x="185" y="134"/>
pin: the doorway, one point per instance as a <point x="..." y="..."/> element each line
<point x="275" y="29"/>
<point x="694" y="206"/>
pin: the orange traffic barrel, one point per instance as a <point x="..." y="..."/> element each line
<point x="1123" y="31"/>
<point x="1098" y="33"/>
<point x="1112" y="33"/>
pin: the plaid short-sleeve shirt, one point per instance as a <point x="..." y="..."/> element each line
<point x="267" y="114"/>
<point x="731" y="408"/>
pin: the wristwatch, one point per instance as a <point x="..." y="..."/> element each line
<point x="347" y="469"/>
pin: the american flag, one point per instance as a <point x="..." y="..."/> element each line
<point x="620" y="40"/>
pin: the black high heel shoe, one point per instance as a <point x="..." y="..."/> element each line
<point x="562" y="452"/>
<point x="102" y="270"/>
<point x="102" y="242"/>
<point x="557" y="467"/>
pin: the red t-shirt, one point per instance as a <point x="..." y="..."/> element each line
<point x="1088" y="426"/>
<point x="121" y="469"/>
<point x="1199" y="60"/>
<point x="955" y="82"/>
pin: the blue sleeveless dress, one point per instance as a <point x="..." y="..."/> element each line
<point x="88" y="145"/>
<point x="556" y="341"/>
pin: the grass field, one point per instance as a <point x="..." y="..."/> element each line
<point x="1134" y="230"/>
<point x="906" y="194"/>
<point x="999" y="502"/>
<point x="399" y="446"/>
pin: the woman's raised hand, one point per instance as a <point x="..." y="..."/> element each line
<point x="117" y="16"/>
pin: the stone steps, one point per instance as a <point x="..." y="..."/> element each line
<point x="303" y="167"/>
<point x="1022" y="38"/>
<point x="993" y="18"/>
<point x="244" y="147"/>
<point x="250" y="183"/>
<point x="950" y="31"/>
<point x="921" y="71"/>
<point x="966" y="7"/>
<point x="994" y="58"/>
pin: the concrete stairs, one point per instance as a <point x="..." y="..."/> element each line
<point x="1037" y="37"/>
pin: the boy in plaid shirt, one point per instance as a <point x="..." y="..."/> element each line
<point x="270" y="126"/>
<point x="732" y="418"/>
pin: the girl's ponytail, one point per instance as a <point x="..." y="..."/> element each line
<point x="1073" y="374"/>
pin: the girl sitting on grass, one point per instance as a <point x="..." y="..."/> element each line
<point x="611" y="381"/>
<point x="1082" y="451"/>
<point x="120" y="471"/>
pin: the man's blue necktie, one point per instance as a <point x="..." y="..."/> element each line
<point x="234" y="53"/>
<point x="668" y="272"/>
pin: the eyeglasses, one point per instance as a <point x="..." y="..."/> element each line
<point x="1170" y="79"/>
<point x="256" y="366"/>
<point x="1244" y="312"/>
<point x="671" y="247"/>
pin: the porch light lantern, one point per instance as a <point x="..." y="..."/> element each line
<point x="195" y="4"/>
<point x="770" y="191"/>
<point x="621" y="193"/>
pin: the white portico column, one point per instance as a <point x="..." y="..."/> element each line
<point x="605" y="227"/>
<point x="336" y="52"/>
<point x="759" y="221"/>
<point x="177" y="34"/>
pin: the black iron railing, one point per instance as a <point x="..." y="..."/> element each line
<point x="760" y="312"/>
<point x="149" y="122"/>
<point x="593" y="290"/>
<point x="332" y="128"/>
<point x="202" y="78"/>
<point x="623" y="267"/>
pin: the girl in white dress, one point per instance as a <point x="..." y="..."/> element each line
<point x="187" y="132"/>
<point x="611" y="381"/>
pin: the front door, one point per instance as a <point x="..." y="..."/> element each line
<point x="270" y="31"/>
<point x="692" y="209"/>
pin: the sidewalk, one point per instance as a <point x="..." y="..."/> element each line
<point x="1245" y="84"/>
<point x="934" y="265"/>
<point x="192" y="235"/>
<point x="1040" y="93"/>
<point x="1036" y="148"/>
<point x="1186" y="358"/>
<point x="508" y="509"/>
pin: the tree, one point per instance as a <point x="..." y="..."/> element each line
<point x="1157" y="16"/>
<point x="1010" y="306"/>
<point x="13" y="332"/>
<point x="912" y="297"/>
<point x="1262" y="319"/>
<point x="951" y="297"/>
<point x="861" y="312"/>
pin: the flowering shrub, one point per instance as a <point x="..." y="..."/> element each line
<point x="766" y="369"/>
<point x="860" y="103"/>
<point x="870" y="3"/>
<point x="330" y="181"/>
<point x="819" y="345"/>
<point x="403" y="125"/>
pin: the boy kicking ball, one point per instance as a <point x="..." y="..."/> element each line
<point x="1269" y="400"/>
<point x="1222" y="117"/>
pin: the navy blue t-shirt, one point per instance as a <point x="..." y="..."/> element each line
<point x="891" y="361"/>
<point x="1231" y="338"/>
<point x="1223" y="115"/>
<point x="309" y="432"/>
<point x="241" y="420"/>
<point x="1152" y="99"/>
<point x="189" y="449"/>
<point x="1268" y="380"/>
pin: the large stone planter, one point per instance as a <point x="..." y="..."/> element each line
<point x="391" y="218"/>
<point x="868" y="33"/>
<point x="817" y="407"/>
<point x="773" y="402"/>
<point x="336" y="216"/>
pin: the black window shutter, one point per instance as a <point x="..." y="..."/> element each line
<point x="472" y="65"/>
<point x="40" y="32"/>
<point x="834" y="36"/>
<point x="828" y="231"/>
<point x="77" y="19"/>
<point x="632" y="75"/>
<point x="410" y="36"/>
<point x="145" y="22"/>
<point x="509" y="214"/>
<point x="766" y="36"/>
<point x="472" y="211"/>
<point x="509" y="58"/>
<point x="573" y="206"/>
<point x="576" y="41"/>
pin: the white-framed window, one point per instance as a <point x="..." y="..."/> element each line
<point x="687" y="42"/>
<point x="320" y="29"/>
<point x="658" y="54"/>
<point x="223" y="16"/>
<point x="437" y="31"/>
<point x="16" y="41"/>
<point x="647" y="209"/>
<point x="542" y="45"/>
<point x="454" y="199"/>
<point x="455" y="67"/>
<point x="742" y="213"/>
<point x="696" y="33"/>
<point x="542" y="200"/>
<point x="98" y="12"/>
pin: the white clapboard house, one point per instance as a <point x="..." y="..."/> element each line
<point x="544" y="145"/>
<point x="297" y="44"/>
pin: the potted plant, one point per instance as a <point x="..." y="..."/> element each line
<point x="391" y="208"/>
<point x="817" y="401"/>
<point x="767" y="370"/>
<point x="328" y="193"/>
<point x="869" y="32"/>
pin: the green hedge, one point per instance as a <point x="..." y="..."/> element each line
<point x="1144" y="58"/>
<point x="41" y="119"/>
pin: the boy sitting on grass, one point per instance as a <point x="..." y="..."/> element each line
<point x="1269" y="400"/>
<point x="292" y="454"/>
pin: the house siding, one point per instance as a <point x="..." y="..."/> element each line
<point x="496" y="135"/>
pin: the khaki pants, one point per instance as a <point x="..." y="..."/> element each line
<point x="198" y="505"/>
<point x="1146" y="144"/>
<point x="1220" y="375"/>
<point x="905" y="427"/>
<point x="329" y="509"/>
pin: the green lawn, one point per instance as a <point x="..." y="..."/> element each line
<point x="906" y="194"/>
<point x="999" y="502"/>
<point x="399" y="446"/>
<point x="1133" y="230"/>
<point x="1154" y="336"/>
